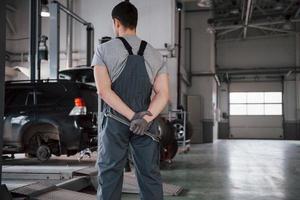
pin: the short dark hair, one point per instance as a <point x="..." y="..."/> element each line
<point x="126" y="13"/>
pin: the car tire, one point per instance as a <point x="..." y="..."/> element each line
<point x="43" y="153"/>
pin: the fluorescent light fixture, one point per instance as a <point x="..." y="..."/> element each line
<point x="288" y="25"/>
<point x="45" y="14"/>
<point x="204" y="3"/>
<point x="211" y="30"/>
<point x="235" y="11"/>
<point x="278" y="5"/>
<point x="179" y="6"/>
<point x="45" y="11"/>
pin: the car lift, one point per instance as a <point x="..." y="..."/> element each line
<point x="54" y="36"/>
<point x="64" y="182"/>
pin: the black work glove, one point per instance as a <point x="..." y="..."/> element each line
<point x="140" y="115"/>
<point x="138" y="124"/>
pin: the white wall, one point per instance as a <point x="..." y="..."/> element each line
<point x="20" y="20"/>
<point x="202" y="43"/>
<point x="203" y="61"/>
<point x="202" y="87"/>
<point x="289" y="100"/>
<point x="203" y="58"/>
<point x="278" y="51"/>
<point x="156" y="24"/>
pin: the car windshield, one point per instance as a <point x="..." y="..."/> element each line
<point x="84" y="75"/>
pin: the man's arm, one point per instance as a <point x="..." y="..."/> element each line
<point x="161" y="98"/>
<point x="103" y="84"/>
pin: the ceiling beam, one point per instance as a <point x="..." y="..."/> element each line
<point x="256" y="24"/>
<point x="260" y="9"/>
<point x="11" y="8"/>
<point x="271" y="29"/>
<point x="247" y="17"/>
<point x="243" y="9"/>
<point x="297" y="13"/>
<point x="288" y="7"/>
<point x="228" y="31"/>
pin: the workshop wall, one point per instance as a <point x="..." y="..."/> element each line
<point x="203" y="61"/>
<point x="268" y="52"/>
<point x="155" y="24"/>
<point x="276" y="51"/>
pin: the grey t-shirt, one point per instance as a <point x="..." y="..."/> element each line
<point x="113" y="55"/>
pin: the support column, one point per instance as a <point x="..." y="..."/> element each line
<point x="38" y="38"/>
<point x="33" y="39"/>
<point x="297" y="84"/>
<point x="69" y="44"/>
<point x="2" y="76"/>
<point x="90" y="44"/>
<point x="54" y="40"/>
<point x="4" y="193"/>
<point x="179" y="60"/>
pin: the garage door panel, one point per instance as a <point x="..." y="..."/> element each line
<point x="256" y="133"/>
<point x="256" y="87"/>
<point x="256" y="121"/>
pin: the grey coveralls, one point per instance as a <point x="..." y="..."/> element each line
<point x="134" y="88"/>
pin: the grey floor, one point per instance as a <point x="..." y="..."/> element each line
<point x="237" y="170"/>
<point x="225" y="170"/>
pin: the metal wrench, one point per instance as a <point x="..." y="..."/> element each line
<point x="123" y="121"/>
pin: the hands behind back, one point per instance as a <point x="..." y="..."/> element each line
<point x="138" y="124"/>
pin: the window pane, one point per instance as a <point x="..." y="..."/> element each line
<point x="273" y="109"/>
<point x="273" y="97"/>
<point x="255" y="109"/>
<point x="238" y="97"/>
<point x="255" y="97"/>
<point x="238" y="109"/>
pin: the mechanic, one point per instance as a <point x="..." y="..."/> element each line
<point x="127" y="71"/>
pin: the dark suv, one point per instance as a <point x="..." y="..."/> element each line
<point x="50" y="116"/>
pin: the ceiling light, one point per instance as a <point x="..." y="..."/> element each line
<point x="211" y="30"/>
<point x="204" y="3"/>
<point x="235" y="11"/>
<point x="179" y="6"/>
<point x="45" y="11"/>
<point x="278" y="6"/>
<point x="288" y="25"/>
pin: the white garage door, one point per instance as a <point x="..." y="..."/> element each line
<point x="256" y="110"/>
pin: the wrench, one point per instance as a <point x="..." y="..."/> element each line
<point x="123" y="121"/>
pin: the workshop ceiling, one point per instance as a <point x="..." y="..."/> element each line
<point x="235" y="11"/>
<point x="268" y="16"/>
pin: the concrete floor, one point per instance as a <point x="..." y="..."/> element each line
<point x="237" y="170"/>
<point x="225" y="170"/>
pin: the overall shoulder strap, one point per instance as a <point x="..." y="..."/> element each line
<point x="142" y="48"/>
<point x="126" y="45"/>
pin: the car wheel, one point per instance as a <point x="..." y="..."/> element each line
<point x="43" y="153"/>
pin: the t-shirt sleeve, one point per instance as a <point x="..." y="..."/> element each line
<point x="163" y="69"/>
<point x="98" y="57"/>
